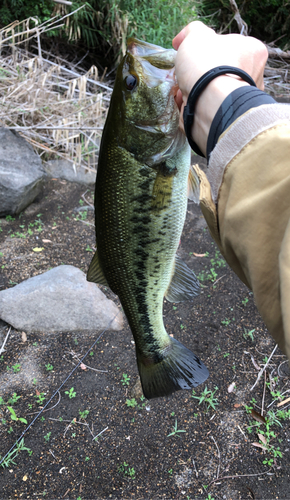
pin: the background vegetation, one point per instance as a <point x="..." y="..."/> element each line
<point x="104" y="25"/>
<point x="268" y="20"/>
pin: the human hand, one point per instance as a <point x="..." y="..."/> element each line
<point x="200" y="49"/>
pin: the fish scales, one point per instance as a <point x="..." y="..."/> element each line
<point x="140" y="207"/>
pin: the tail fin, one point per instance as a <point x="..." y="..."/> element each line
<point x="179" y="369"/>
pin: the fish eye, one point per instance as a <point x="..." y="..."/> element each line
<point x="131" y="82"/>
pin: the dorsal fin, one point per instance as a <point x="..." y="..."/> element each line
<point x="95" y="273"/>
<point x="193" y="185"/>
<point x="184" y="284"/>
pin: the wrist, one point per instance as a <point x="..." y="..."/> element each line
<point x="208" y="104"/>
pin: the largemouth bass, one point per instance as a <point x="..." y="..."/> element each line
<point x="140" y="208"/>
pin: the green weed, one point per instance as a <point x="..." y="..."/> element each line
<point x="14" y="453"/>
<point x="71" y="393"/>
<point x="207" y="397"/>
<point x="249" y="333"/>
<point x="14" y="417"/>
<point x="125" y="379"/>
<point x="84" y="414"/>
<point x="47" y="437"/>
<point x="127" y="471"/>
<point x="175" y="431"/>
<point x="131" y="403"/>
<point x="16" y="368"/>
<point x="40" y="398"/>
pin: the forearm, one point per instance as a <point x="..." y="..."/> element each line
<point x="249" y="212"/>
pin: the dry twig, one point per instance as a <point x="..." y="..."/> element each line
<point x="264" y="368"/>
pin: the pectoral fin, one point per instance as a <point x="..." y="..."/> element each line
<point x="184" y="284"/>
<point x="95" y="273"/>
<point x="193" y="185"/>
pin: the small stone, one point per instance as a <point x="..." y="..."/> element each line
<point x="63" y="169"/>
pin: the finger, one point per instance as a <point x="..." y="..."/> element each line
<point x="196" y="27"/>
<point x="178" y="39"/>
<point x="179" y="99"/>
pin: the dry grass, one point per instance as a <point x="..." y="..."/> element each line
<point x="59" y="110"/>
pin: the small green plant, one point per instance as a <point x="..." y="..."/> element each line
<point x="245" y="301"/>
<point x="84" y="414"/>
<point x="131" y="403"/>
<point x="127" y="471"/>
<point x="14" y="417"/>
<point x="207" y="397"/>
<point x="225" y="322"/>
<point x="47" y="437"/>
<point x="226" y="354"/>
<point x="170" y="471"/>
<point x="40" y="398"/>
<point x="87" y="459"/>
<point x="249" y="333"/>
<point x="125" y="379"/>
<point x="175" y="431"/>
<point x="71" y="393"/>
<point x="14" y="398"/>
<point x="14" y="453"/>
<point x="16" y="368"/>
<point x="49" y="367"/>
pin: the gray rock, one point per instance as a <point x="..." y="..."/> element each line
<point x="21" y="173"/>
<point x="59" y="300"/>
<point x="63" y="169"/>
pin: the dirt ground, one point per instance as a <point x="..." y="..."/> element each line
<point x="176" y="447"/>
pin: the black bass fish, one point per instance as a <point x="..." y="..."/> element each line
<point x="140" y="208"/>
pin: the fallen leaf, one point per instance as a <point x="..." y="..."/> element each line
<point x="24" y="337"/>
<point x="37" y="249"/>
<point x="25" y="478"/>
<point x="256" y="416"/>
<point x="259" y="445"/>
<point x="198" y="254"/>
<point x="231" y="387"/>
<point x="262" y="438"/>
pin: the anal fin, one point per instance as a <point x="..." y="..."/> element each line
<point x="184" y="284"/>
<point x="95" y="273"/>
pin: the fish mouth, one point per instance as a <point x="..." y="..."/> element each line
<point x="157" y="56"/>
